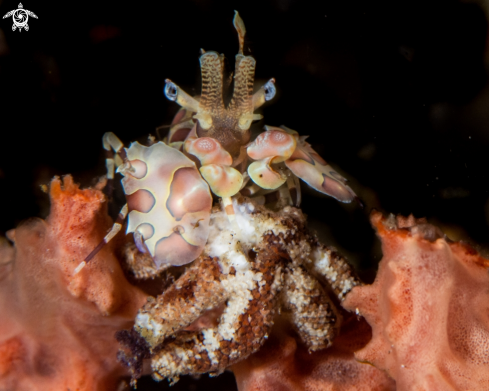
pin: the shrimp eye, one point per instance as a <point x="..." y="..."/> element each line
<point x="270" y="90"/>
<point x="171" y="91"/>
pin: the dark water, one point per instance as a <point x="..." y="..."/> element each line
<point x="394" y="94"/>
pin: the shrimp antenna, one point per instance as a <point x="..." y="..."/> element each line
<point x="241" y="29"/>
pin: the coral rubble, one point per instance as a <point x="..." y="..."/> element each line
<point x="270" y="264"/>
<point x="57" y="329"/>
<point x="428" y="308"/>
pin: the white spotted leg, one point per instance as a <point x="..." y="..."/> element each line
<point x="114" y="231"/>
<point x="115" y="156"/>
<point x="294" y="187"/>
<point x="227" y="205"/>
<point x="250" y="189"/>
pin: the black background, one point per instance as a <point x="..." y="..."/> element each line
<point x="394" y="94"/>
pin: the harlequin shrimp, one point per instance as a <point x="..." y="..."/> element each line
<point x="169" y="185"/>
<point x="250" y="257"/>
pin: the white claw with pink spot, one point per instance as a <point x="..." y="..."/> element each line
<point x="169" y="206"/>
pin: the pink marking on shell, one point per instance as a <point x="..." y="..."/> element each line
<point x="272" y="143"/>
<point x="182" y="125"/>
<point x="180" y="135"/>
<point x="179" y="116"/>
<point x="208" y="150"/>
<point x="301" y="153"/>
<point x="338" y="190"/>
<point x="186" y="193"/>
<point x="318" y="158"/>
<point x="175" y="251"/>
<point x="141" y="200"/>
<point x="306" y="147"/>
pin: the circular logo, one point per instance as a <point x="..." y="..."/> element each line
<point x="20" y="17"/>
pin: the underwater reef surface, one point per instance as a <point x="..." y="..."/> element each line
<point x="284" y="364"/>
<point x="428" y="309"/>
<point x="57" y="329"/>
